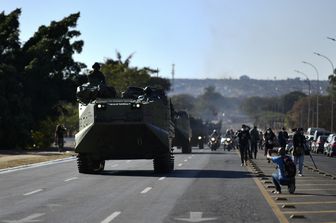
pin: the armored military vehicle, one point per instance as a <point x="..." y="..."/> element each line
<point x="198" y="132"/>
<point x="182" y="131"/>
<point x="136" y="126"/>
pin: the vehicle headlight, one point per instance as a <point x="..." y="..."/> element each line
<point x="199" y="137"/>
<point x="136" y="105"/>
<point x="101" y="106"/>
<point x="213" y="139"/>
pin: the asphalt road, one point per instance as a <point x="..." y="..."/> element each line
<point x="322" y="162"/>
<point x="205" y="187"/>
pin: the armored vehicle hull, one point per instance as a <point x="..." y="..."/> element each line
<point x="182" y="132"/>
<point x="124" y="129"/>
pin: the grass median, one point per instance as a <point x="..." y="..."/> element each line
<point x="8" y="161"/>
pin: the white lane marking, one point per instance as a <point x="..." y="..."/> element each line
<point x="30" y="218"/>
<point x="162" y="178"/>
<point x="30" y="166"/>
<point x="146" y="190"/>
<point x="70" y="179"/>
<point x="185" y="160"/>
<point x="33" y="192"/>
<point x="189" y="157"/>
<point x="114" y="165"/>
<point x="128" y="161"/>
<point x="195" y="217"/>
<point x="180" y="164"/>
<point x="111" y="217"/>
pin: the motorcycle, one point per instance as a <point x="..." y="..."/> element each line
<point x="228" y="144"/>
<point x="214" y="143"/>
<point x="200" y="142"/>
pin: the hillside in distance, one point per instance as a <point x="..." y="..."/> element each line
<point x="246" y="87"/>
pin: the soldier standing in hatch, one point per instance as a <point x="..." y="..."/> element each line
<point x="96" y="77"/>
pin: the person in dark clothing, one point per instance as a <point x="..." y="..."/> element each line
<point x="96" y="77"/>
<point x="299" y="142"/>
<point x="244" y="140"/>
<point x="283" y="138"/>
<point x="254" y="133"/>
<point x="59" y="136"/>
<point x="269" y="137"/>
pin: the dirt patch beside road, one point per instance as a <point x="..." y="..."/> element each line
<point x="10" y="160"/>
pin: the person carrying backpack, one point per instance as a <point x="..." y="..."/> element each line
<point x="286" y="170"/>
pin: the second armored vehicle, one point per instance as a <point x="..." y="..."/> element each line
<point x="182" y="131"/>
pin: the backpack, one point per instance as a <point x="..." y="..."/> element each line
<point x="290" y="168"/>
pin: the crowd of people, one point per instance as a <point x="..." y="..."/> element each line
<point x="250" y="140"/>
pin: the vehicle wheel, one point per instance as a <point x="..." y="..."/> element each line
<point x="88" y="165"/>
<point x="164" y="164"/>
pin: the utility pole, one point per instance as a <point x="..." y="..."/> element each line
<point x="173" y="76"/>
<point x="332" y="95"/>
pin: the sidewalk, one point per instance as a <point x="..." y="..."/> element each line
<point x="314" y="198"/>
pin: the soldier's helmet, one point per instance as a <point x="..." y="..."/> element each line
<point x="96" y="66"/>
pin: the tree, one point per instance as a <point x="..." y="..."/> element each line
<point x="159" y="82"/>
<point x="120" y="75"/>
<point x="36" y="76"/>
<point x="183" y="102"/>
<point x="15" y="118"/>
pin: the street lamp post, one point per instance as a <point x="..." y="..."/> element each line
<point x="331" y="97"/>
<point x="309" y="90"/>
<point x="318" y="92"/>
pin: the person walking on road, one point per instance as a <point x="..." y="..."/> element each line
<point x="283" y="138"/>
<point x="59" y="136"/>
<point x="269" y="142"/>
<point x="244" y="141"/>
<point x="299" y="142"/>
<point x="254" y="133"/>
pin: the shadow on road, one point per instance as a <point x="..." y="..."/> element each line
<point x="182" y="174"/>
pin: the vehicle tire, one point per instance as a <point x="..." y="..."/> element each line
<point x="88" y="165"/>
<point x="186" y="148"/>
<point x="164" y="164"/>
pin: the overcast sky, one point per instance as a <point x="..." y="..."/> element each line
<point x="264" y="39"/>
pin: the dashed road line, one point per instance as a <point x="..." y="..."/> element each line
<point x="185" y="160"/>
<point x="111" y="217"/>
<point x="146" y="190"/>
<point x="70" y="179"/>
<point x="180" y="164"/>
<point x="33" y="192"/>
<point x="162" y="178"/>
